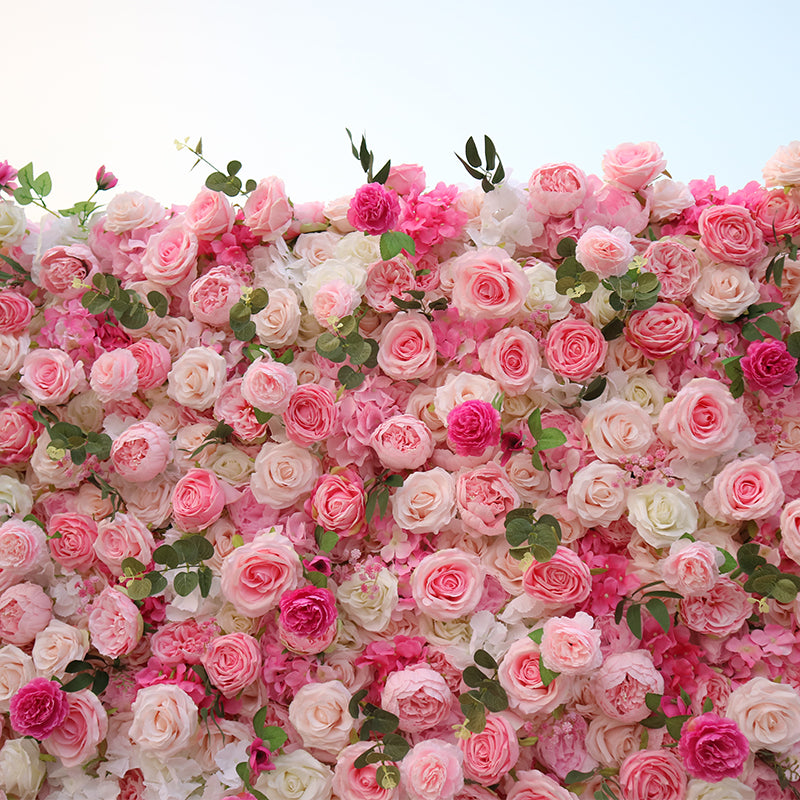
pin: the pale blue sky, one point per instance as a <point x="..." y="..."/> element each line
<point x="274" y="84"/>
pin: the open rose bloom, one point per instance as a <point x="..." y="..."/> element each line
<point x="335" y="515"/>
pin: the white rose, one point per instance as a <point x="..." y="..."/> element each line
<point x="297" y="776"/>
<point x="646" y="392"/>
<point x="426" y="502"/>
<point x="661" y="514"/>
<point x="319" y="714"/>
<point x="12" y="223"/>
<point x="13" y="349"/>
<point x="670" y="198"/>
<point x="164" y="719"/>
<point x="231" y="621"/>
<point x="16" y="669"/>
<point x="767" y="713"/>
<point x="283" y="473"/>
<point x="86" y="411"/>
<point x="542" y="295"/>
<point x="197" y="378"/>
<point x="15" y="497"/>
<point x="56" y="646"/>
<point x="359" y="246"/>
<point x="724" y="291"/>
<point x="369" y="601"/>
<point x="21" y="769"/>
<point x="726" y="789"/>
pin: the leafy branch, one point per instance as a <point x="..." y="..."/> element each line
<point x="107" y="491"/>
<point x="543" y="438"/>
<point x="366" y="158"/>
<point x="764" y="579"/>
<point x="651" y="600"/>
<point x="418" y="303"/>
<point x="485" y="694"/>
<point x="378" y="493"/>
<point x="9" y="277"/>
<point x="66" y="437"/>
<point x="527" y="535"/>
<point x="493" y="173"/>
<point x="573" y="280"/>
<point x="31" y="188"/>
<point x="227" y="182"/>
<point x="345" y="342"/>
<point x="126" y="304"/>
<point x="674" y="724"/>
<point x="633" y="291"/>
<point x="252" y="301"/>
<point x="785" y="771"/>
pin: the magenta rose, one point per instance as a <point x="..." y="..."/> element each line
<point x="472" y="427"/>
<point x="307" y="621"/>
<point x="713" y="748"/>
<point x="38" y="708"/>
<point x="374" y="209"/>
<point x="768" y="367"/>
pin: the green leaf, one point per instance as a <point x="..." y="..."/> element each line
<point x="184" y="583"/>
<point x="395" y="747"/>
<point x="566" y="247"/>
<point x="245" y="332"/>
<point x="594" y="389"/>
<point x="382" y="175"/>
<point x="474" y="712"/>
<point x="360" y="352"/>
<point x="157" y="583"/>
<point x="494" y="697"/>
<point x="472" y="154"/>
<point x="634" y="619"/>
<point x="547" y="676"/>
<point x="393" y="242"/>
<point x="77" y="666"/>
<point x="517" y="531"/>
<point x="383" y="503"/>
<point x="748" y="557"/>
<point x="387" y="776"/>
<point x="490" y="151"/>
<point x="393" y="480"/>
<point x="355" y="700"/>
<point x="327" y="541"/>
<point x="550" y="438"/>
<point x="573" y="776"/>
<point x="349" y="378"/>
<point x="250" y="186"/>
<point x="535" y="423"/>
<point x="653" y="701"/>
<point x="43" y="185"/>
<point x="25" y="175"/>
<point x="165" y="554"/>
<point x="613" y="330"/>
<point x="708" y="705"/>
<point x="82" y="681"/>
<point x="204" y="548"/>
<point x="139" y="589"/>
<point x="659" y="612"/>
<point x="769" y="326"/>
<point x="485" y="660"/>
<point x="499" y="174"/>
<point x="243" y="771"/>
<point x="216" y="181"/>
<point x="134" y="317"/>
<point x="132" y="566"/>
<point x="204" y="579"/>
<point x="648" y="283"/>
<point x="100" y="682"/>
<point x="473" y="677"/>
<point x="274" y="737"/>
<point x="475" y="173"/>
<point x="536" y="635"/>
<point x="537" y="461"/>
<point x="675" y="725"/>
<point x="751" y="333"/>
<point x="233" y="167"/>
<point x="159" y="303"/>
<point x="259" y="300"/>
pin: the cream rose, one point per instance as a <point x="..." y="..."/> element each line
<point x="197" y="378"/>
<point x="164" y="719"/>
<point x="369" y="601"/>
<point x="661" y="514"/>
<point x="767" y="713"/>
<point x="319" y="714"/>
<point x="297" y="776"/>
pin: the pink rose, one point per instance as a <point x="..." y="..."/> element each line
<point x="720" y="611"/>
<point x="308" y="620"/>
<point x="18" y="433"/>
<point x="318" y="712"/>
<point x="232" y="661"/>
<point x="745" y="489"/>
<point x="171" y="256"/>
<point x="71" y="540"/>
<point x="337" y="502"/>
<point x="333" y="301"/>
<point x="492" y="753"/>
<point x="660" y="331"/>
<point x="198" y="500"/>
<point x="209" y="215"/>
<point x="350" y="783"/>
<point x="432" y="770"/>
<point x="691" y="567"/>
<point x="255" y="575"/>
<point x="406" y="179"/>
<point x="448" y="584"/>
<point x="767" y="713"/>
<point x="621" y="683"/>
<point x="779" y="210"/>
<point x="115" y="624"/>
<point x="619" y="430"/>
<point x="563" y="580"/>
<point x="675" y="266"/>
<point x="729" y="233"/>
<point x="769" y="367"/>
<point x="63" y="267"/>
<point x="38" y="708"/>
<point x="519" y="675"/>
<point x="131" y="210"/>
<point x="213" y="295"/>
<point x="556" y="190"/>
<point x="713" y="748"/>
<point x="484" y="496"/>
<point x="267" y="211"/>
<point x="652" y="775"/>
<point x="407" y="347"/>
<point x="487" y="284"/>
<point x="575" y="349"/>
<point x="49" y="376"/>
<point x="16" y="311"/>
<point x="21" y="546"/>
<point x="311" y="414"/>
<point x="123" y="537"/>
<point x="374" y="209"/>
<point x="84" y="727"/>
<point x="418" y="696"/>
<point x="790" y="530"/>
<point x="512" y="358"/>
<point x="562" y="748"/>
<point x="182" y="642"/>
<point x="402" y="442"/>
<point x="534" y="785"/>
<point x="386" y="279"/>
<point x="605" y="252"/>
<point x="783" y="169"/>
<point x="114" y="375"/>
<point x="632" y="166"/>
<point x="571" y="645"/>
<point x="269" y="385"/>
<point x="232" y="408"/>
<point x="153" y="363"/>
<point x="141" y="452"/>
<point x="24" y="611"/>
<point x="472" y="427"/>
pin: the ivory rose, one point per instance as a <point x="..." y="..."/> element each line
<point x="767" y="713"/>
<point x="164" y="720"/>
<point x="618" y="430"/>
<point x="197" y="378"/>
<point x="319" y="714"/>
<point x="604" y="252"/>
<point x="426" y="501"/>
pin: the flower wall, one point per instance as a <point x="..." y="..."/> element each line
<point x="423" y="493"/>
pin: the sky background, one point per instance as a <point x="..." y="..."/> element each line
<point x="275" y="84"/>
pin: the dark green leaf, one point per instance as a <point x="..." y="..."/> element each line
<point x="708" y="705"/>
<point x="491" y="153"/>
<point x="494" y="697"/>
<point x="473" y="677"/>
<point x="573" y="776"/>
<point x="648" y="283"/>
<point x="659" y="612"/>
<point x="393" y="480"/>
<point x="769" y="326"/>
<point x="382" y="175"/>
<point x="100" y="682"/>
<point x="729" y="564"/>
<point x="613" y="330"/>
<point x="250" y="186"/>
<point x="566" y="247"/>
<point x="259" y="300"/>
<point x="485" y="660"/>
<point x="751" y="333"/>
<point x="234" y="167"/>
<point x="499" y="174"/>
<point x="395" y="747"/>
<point x="359" y="353"/>
<point x="135" y="317"/>
<point x="81" y="681"/>
<point x="634" y="619"/>
<point x="474" y="712"/>
<point x="205" y="549"/>
<point x="216" y="181"/>
<point x="349" y="378"/>
<point x="619" y="610"/>
<point x="594" y="389"/>
<point x="472" y="154"/>
<point x="159" y="303"/>
<point x="166" y="555"/>
<point x="394" y="242"/>
<point x="157" y="583"/>
<point x="475" y="173"/>
<point x="245" y="332"/>
<point x="184" y="583"/>
<point x="132" y="566"/>
<point x="793" y="344"/>
<point x="517" y="531"/>
<point x="675" y="725"/>
<point x="655" y="721"/>
<point x="77" y="666"/>
<point x="383" y="503"/>
<point x="355" y="700"/>
<point x="653" y="701"/>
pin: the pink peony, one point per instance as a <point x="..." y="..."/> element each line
<point x="308" y="619"/>
<point x="38" y="708"/>
<point x="374" y="209"/>
<point x="768" y="367"/>
<point x="713" y="748"/>
<point x="472" y="427"/>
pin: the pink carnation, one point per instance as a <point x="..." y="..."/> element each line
<point x="38" y="708"/>
<point x="374" y="209"/>
<point x="472" y="427"/>
<point x="713" y="748"/>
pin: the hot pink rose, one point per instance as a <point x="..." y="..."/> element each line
<point x="153" y="363"/>
<point x="571" y="645"/>
<point x="675" y="266"/>
<point x="448" y="584"/>
<point x="473" y="426"/>
<point x="488" y="284"/>
<point x="520" y="676"/>
<point x="622" y="682"/>
<point x="38" y="708"/>
<point x="720" y="611"/>
<point x="198" y="500"/>
<point x="337" y="502"/>
<point x="115" y="624"/>
<point x="563" y="580"/>
<point x="84" y="727"/>
<point x="556" y="190"/>
<point x="308" y="620"/>
<point x="209" y="215"/>
<point x="141" y="452"/>
<point x="418" y="696"/>
<point x="351" y="783"/>
<point x="652" y="775"/>
<point x="660" y="331"/>
<point x="575" y="349"/>
<point x="71" y="540"/>
<point x="16" y="311"/>
<point x="605" y="252"/>
<point x="632" y="166"/>
<point x="713" y="748"/>
<point x="484" y="496"/>
<point x="729" y="233"/>
<point x="267" y="211"/>
<point x="171" y="256"/>
<point x="269" y="385"/>
<point x="492" y="753"/>
<point x="408" y="347"/>
<point x="64" y="267"/>
<point x="255" y="575"/>
<point x="24" y="611"/>
<point x="311" y="414"/>
<point x="432" y="771"/>
<point x="213" y="295"/>
<point x="769" y="367"/>
<point x="748" y="488"/>
<point x="402" y="442"/>
<point x="49" y="376"/>
<point x="374" y="209"/>
<point x="232" y="661"/>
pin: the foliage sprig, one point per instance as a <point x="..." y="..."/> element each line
<point x="485" y="693"/>
<point x="126" y="305"/>
<point x="527" y="535"/>
<point x="492" y="174"/>
<point x="366" y="158"/>
<point x="346" y="342"/>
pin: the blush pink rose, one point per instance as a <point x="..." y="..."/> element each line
<point x="556" y="190"/>
<point x="198" y="500"/>
<point x="170" y="256"/>
<point x="18" y="433"/>
<point x="534" y="785"/>
<point x="232" y="661"/>
<point x="318" y="712"/>
<point x="767" y="713"/>
<point x="267" y="211"/>
<point x="337" y="502"/>
<point x="49" y="376"/>
<point x="76" y="740"/>
<point x="114" y="375"/>
<point x="374" y="209"/>
<point x="473" y="426"/>
<point x="141" y="453"/>
<point x="352" y="783"/>
<point x="213" y="295"/>
<point x="432" y="770"/>
<point x="675" y="266"/>
<point x="769" y="367"/>
<point x="448" y="584"/>
<point x="283" y="474"/>
<point x="720" y="611"/>
<point x="25" y="610"/>
<point x="712" y="748"/>
<point x="63" y="267"/>
<point x="729" y="233"/>
<point x="22" y="545"/>
<point x="333" y="301"/>
<point x="519" y="675"/>
<point x="308" y="620"/>
<point x="492" y="753"/>
<point x="661" y="331"/>
<point x="605" y="252"/>
<point x="38" y="708"/>
<point x="632" y="166"/>
<point x="407" y="347"/>
<point x="691" y="568"/>
<point x="255" y="575"/>
<point x="115" y="624"/>
<point x="209" y="215"/>
<point x="779" y="212"/>
<point x="164" y="720"/>
<point x="269" y="385"/>
<point x="153" y="363"/>
<point x="121" y="537"/>
<point x="790" y="530"/>
<point x="16" y="311"/>
<point x="652" y="775"/>
<point x="426" y="502"/>
<point x="512" y="358"/>
<point x="71" y="538"/>
<point x="484" y="496"/>
<point x="745" y="489"/>
<point x="621" y="683"/>
<point x="182" y="642"/>
<point x="724" y="291"/>
<point x="386" y="279"/>
<point x="575" y="349"/>
<point x="402" y="442"/>
<point x="487" y="284"/>
<point x="418" y="696"/>
<point x="563" y="580"/>
<point x="783" y="169"/>
<point x="131" y="210"/>
<point x="571" y="645"/>
<point x="619" y="430"/>
<point x="311" y="414"/>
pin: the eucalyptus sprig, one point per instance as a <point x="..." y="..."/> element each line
<point x="573" y="280"/>
<point x="634" y="291"/>
<point x="485" y="693"/>
<point x="227" y="182"/>
<point x="343" y="342"/>
<point x="650" y="599"/>
<point x="126" y="305"/>
<point x="68" y="438"/>
<point x="366" y="158"/>
<point x="764" y="579"/>
<point x="251" y="302"/>
<point x="418" y="303"/>
<point x="377" y="491"/>
<point x="609" y="786"/>
<point x="493" y="173"/>
<point x="543" y="438"/>
<point x="527" y="535"/>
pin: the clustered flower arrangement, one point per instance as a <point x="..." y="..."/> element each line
<point x="419" y="494"/>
